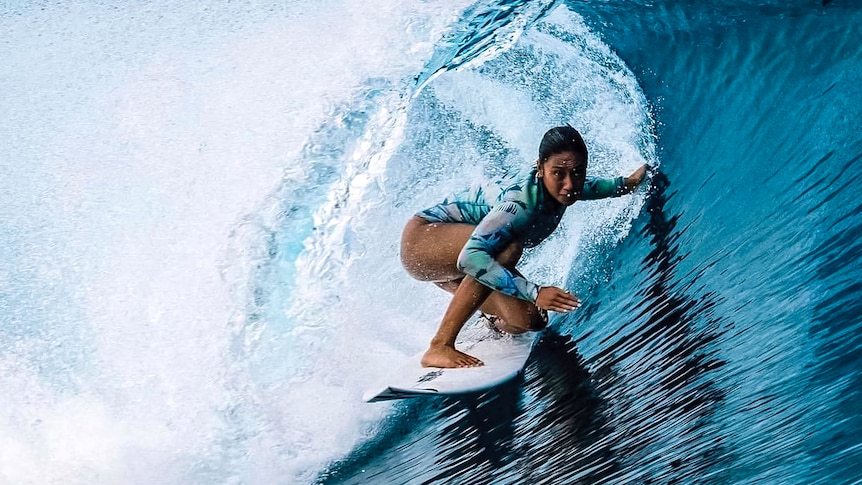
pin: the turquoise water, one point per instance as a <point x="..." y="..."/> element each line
<point x="199" y="221"/>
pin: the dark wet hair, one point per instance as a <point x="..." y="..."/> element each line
<point x="562" y="139"/>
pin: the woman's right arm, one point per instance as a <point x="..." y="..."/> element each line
<point x="494" y="233"/>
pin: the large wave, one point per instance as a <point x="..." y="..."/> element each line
<point x="202" y="210"/>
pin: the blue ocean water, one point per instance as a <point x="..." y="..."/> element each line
<point x="200" y="209"/>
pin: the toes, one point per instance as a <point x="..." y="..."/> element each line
<point x="470" y="362"/>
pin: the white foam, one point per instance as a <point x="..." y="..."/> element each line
<point x="138" y="138"/>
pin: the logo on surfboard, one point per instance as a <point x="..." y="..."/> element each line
<point x="430" y="376"/>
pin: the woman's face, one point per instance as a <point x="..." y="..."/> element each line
<point x="563" y="175"/>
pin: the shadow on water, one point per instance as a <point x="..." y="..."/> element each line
<point x="565" y="433"/>
<point x="478" y="431"/>
<point x="508" y="435"/>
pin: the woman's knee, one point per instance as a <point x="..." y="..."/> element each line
<point x="532" y="320"/>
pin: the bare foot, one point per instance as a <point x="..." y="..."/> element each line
<point x="447" y="357"/>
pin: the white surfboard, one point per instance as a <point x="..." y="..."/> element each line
<point x="504" y="357"/>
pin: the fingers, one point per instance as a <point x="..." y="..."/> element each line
<point x="564" y="303"/>
<point x="557" y="300"/>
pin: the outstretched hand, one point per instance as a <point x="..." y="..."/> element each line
<point x="557" y="300"/>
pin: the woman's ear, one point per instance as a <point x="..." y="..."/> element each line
<point x="538" y="169"/>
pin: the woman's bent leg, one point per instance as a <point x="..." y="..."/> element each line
<point x="515" y="316"/>
<point x="429" y="252"/>
<point x="442" y="353"/>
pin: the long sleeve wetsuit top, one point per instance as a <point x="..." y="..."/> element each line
<point x="524" y="211"/>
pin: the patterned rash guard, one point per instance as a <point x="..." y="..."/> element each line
<point x="523" y="211"/>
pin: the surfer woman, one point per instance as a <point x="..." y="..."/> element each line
<point x="469" y="246"/>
